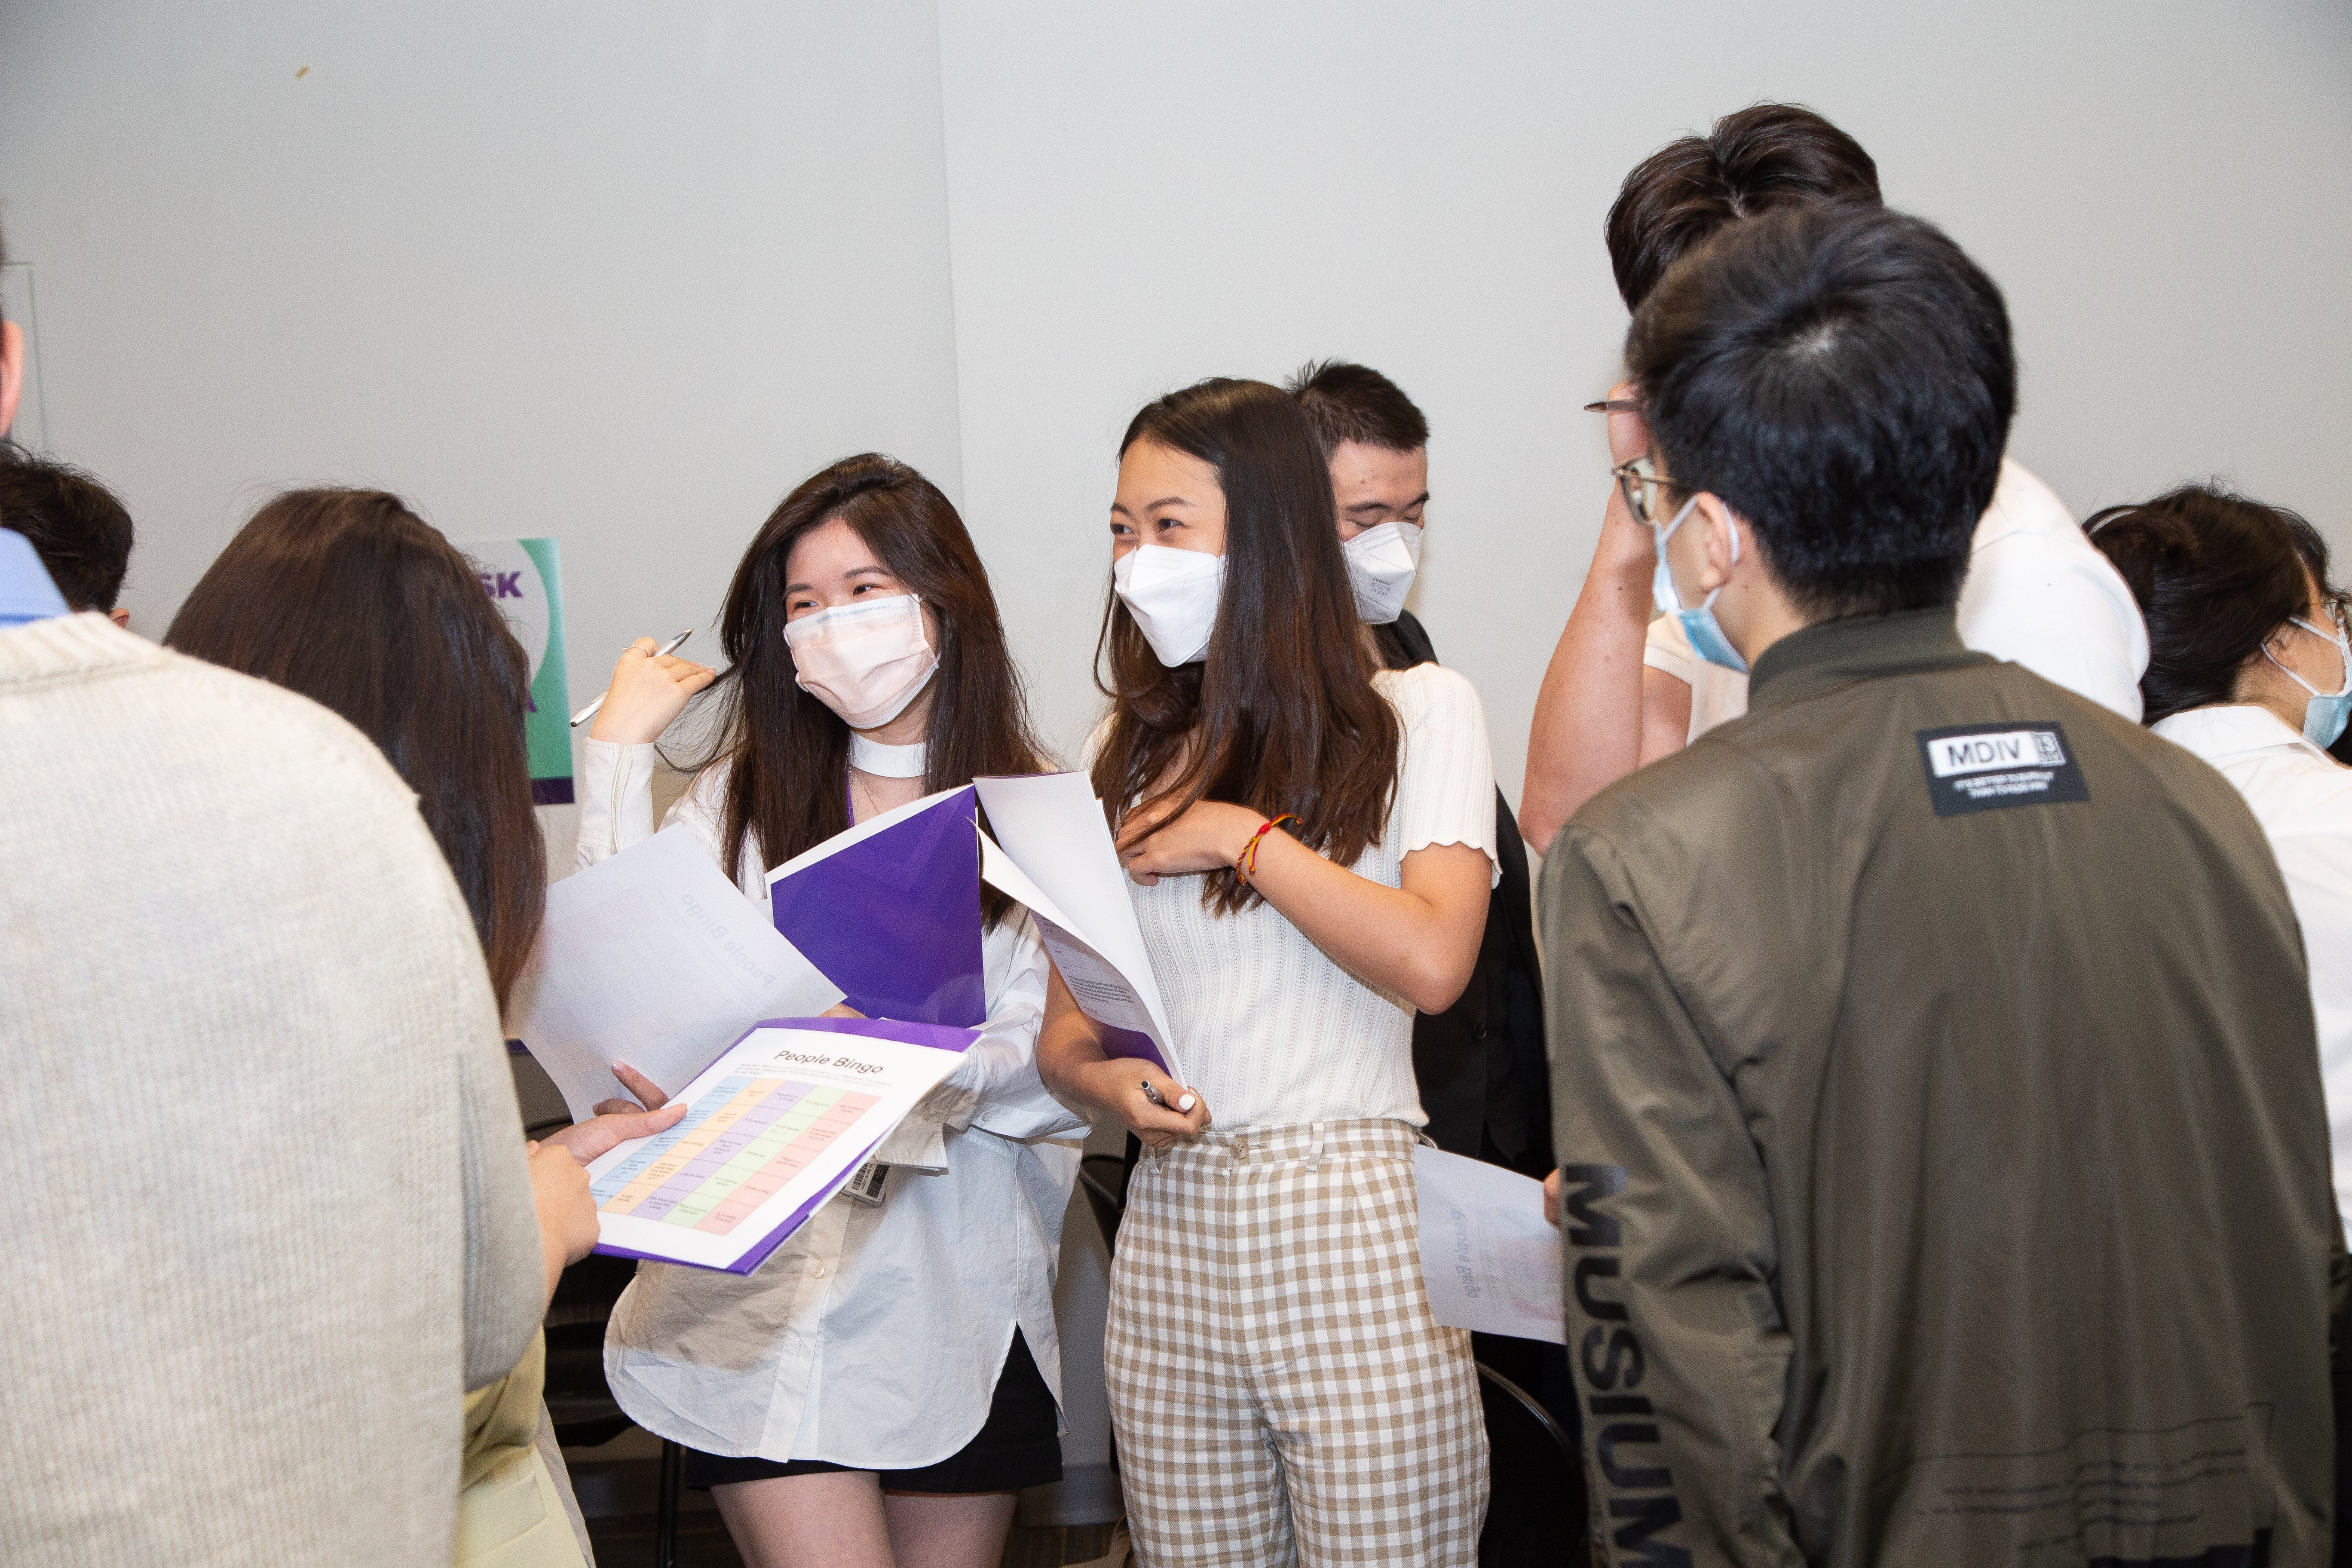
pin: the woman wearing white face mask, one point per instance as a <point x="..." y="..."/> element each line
<point x="1311" y="838"/>
<point x="880" y="1388"/>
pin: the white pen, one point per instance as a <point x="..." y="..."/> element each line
<point x="589" y="712"/>
<point x="1152" y="1095"/>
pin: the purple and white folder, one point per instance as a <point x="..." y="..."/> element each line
<point x="774" y="1127"/>
<point x="889" y="911"/>
<point x="1051" y="849"/>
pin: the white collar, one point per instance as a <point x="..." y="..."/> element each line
<point x="2233" y="730"/>
<point x="889" y="762"/>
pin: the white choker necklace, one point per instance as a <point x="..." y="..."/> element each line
<point x="887" y="762"/>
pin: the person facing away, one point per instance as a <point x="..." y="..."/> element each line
<point x="81" y="532"/>
<point x="322" y="592"/>
<point x="1623" y="689"/>
<point x="1278" y="1388"/>
<point x="880" y="1388"/>
<point x="1945" y="1171"/>
<point x="244" y="1305"/>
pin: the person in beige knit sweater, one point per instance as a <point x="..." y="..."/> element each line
<point x="269" y="1217"/>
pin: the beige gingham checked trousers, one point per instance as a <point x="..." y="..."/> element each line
<point x="1280" y="1392"/>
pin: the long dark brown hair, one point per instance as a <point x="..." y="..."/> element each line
<point x="788" y="753"/>
<point x="351" y="599"/>
<point x="1281" y="715"/>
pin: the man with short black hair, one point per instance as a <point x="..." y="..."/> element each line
<point x="1946" y="1165"/>
<point x="1623" y="689"/>
<point x="81" y="533"/>
<point x="78" y="529"/>
<point x="1479" y="1065"/>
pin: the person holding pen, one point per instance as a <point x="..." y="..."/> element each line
<point x="880" y="1387"/>
<point x="1311" y="840"/>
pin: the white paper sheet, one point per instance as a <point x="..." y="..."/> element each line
<point x="774" y="1126"/>
<point x="1489" y="1261"/>
<point x="655" y="959"/>
<point x="1052" y="852"/>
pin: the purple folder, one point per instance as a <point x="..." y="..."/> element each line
<point x="895" y="920"/>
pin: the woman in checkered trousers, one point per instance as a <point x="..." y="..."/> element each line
<point x="1310" y="839"/>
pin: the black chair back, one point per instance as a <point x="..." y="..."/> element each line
<point x="1535" y="1508"/>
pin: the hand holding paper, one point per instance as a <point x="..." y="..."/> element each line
<point x="653" y="958"/>
<point x="1052" y="852"/>
<point x="1491" y="1261"/>
<point x="771" y="1129"/>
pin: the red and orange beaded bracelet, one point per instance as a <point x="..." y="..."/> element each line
<point x="1246" y="861"/>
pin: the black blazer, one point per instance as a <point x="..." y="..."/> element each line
<point x="1483" y="1076"/>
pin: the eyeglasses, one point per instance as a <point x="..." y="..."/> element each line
<point x="2334" y="609"/>
<point x="1641" y="482"/>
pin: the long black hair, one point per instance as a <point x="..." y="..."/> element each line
<point x="788" y="753"/>
<point x="2216" y="576"/>
<point x="1281" y="716"/>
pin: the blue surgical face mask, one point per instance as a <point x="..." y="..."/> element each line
<point x="1705" y="634"/>
<point x="2324" y="715"/>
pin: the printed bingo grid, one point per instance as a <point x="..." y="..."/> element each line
<point x="739" y="1144"/>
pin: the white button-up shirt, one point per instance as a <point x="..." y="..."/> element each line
<point x="2304" y="801"/>
<point x="873" y="1337"/>
<point x="2037" y="594"/>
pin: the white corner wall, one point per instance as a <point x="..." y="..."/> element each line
<point x="1144" y="195"/>
<point x="623" y="274"/>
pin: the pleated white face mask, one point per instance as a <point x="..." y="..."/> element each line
<point x="1381" y="564"/>
<point x="1172" y="594"/>
<point x="866" y="660"/>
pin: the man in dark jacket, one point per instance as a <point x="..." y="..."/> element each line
<point x="1946" y="1169"/>
<point x="1479" y="1065"/>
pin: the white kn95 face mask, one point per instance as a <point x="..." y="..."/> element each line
<point x="1381" y="562"/>
<point x="866" y="660"/>
<point x="1172" y="594"/>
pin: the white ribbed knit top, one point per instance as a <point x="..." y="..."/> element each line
<point x="1270" y="1030"/>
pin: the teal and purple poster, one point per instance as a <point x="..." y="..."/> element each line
<point x="524" y="579"/>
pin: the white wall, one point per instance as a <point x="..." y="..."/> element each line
<point x="619" y="273"/>
<point x="1144" y="195"/>
<point x="623" y="273"/>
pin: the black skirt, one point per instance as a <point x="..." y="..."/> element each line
<point x="1017" y="1447"/>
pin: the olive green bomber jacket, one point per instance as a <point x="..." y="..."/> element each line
<point x="1945" y="1166"/>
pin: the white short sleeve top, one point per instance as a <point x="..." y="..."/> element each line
<point x="1272" y="1031"/>
<point x="2038" y="593"/>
